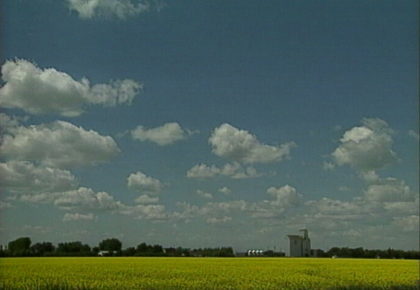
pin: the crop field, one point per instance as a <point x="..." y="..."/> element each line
<point x="207" y="273"/>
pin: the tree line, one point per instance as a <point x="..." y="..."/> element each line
<point x="23" y="247"/>
<point x="366" y="253"/>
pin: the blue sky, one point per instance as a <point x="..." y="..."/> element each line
<point x="210" y="123"/>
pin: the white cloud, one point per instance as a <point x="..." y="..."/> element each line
<point x="58" y="144"/>
<point x="25" y="177"/>
<point x="78" y="217"/>
<point x="144" y="184"/>
<point x="366" y="148"/>
<point x="328" y="166"/>
<point x="146" y="199"/>
<point x="218" y="220"/>
<point x="41" y="91"/>
<point x="403" y="207"/>
<point x="204" y="194"/>
<point x="86" y="198"/>
<point x="149" y="211"/>
<point x="233" y="170"/>
<point x="285" y="196"/>
<point x="167" y="134"/>
<point x="344" y="210"/>
<point x="121" y="9"/>
<point x="4" y="204"/>
<point x="203" y="171"/>
<point x="389" y="190"/>
<point x="9" y="123"/>
<point x="239" y="145"/>
<point x="225" y="190"/>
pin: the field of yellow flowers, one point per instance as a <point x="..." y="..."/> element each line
<point x="207" y="273"/>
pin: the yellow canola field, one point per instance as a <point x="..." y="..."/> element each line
<point x="207" y="273"/>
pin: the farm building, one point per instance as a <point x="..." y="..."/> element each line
<point x="300" y="246"/>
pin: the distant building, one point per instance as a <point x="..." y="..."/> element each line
<point x="300" y="246"/>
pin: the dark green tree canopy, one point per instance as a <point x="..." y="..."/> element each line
<point x="20" y="246"/>
<point x="110" y="245"/>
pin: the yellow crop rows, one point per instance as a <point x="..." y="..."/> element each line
<point x="207" y="273"/>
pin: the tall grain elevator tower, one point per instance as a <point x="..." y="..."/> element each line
<point x="300" y="246"/>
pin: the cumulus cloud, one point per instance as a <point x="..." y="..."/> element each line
<point x="218" y="220"/>
<point x="87" y="199"/>
<point x="9" y="123"/>
<point x="147" y="199"/>
<point x="348" y="210"/>
<point x="389" y="190"/>
<point x="148" y="212"/>
<point x="366" y="148"/>
<point x="78" y="217"/>
<point x="285" y="196"/>
<point x="144" y="184"/>
<point x="58" y="144"/>
<point x="225" y="190"/>
<point x="41" y="91"/>
<point x="240" y="145"/>
<point x="204" y="194"/>
<point x="167" y="134"/>
<point x="4" y="204"/>
<point x="24" y="177"/>
<point x="121" y="9"/>
<point x="232" y="170"/>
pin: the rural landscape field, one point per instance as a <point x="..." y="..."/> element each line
<point x="207" y="273"/>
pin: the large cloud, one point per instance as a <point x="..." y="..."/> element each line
<point x="105" y="8"/>
<point x="233" y="170"/>
<point x="239" y="145"/>
<point x="40" y="91"/>
<point x="167" y="134"/>
<point x="25" y="177"/>
<point x="58" y="144"/>
<point x="366" y="148"/>
<point x="144" y="184"/>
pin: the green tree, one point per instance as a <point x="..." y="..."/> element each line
<point x="111" y="245"/>
<point x="20" y="247"/>
<point x="42" y="249"/>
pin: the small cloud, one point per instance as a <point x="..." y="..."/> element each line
<point x="164" y="135"/>
<point x="233" y="170"/>
<point x="225" y="190"/>
<point x="204" y="194"/>
<point x="328" y="166"/>
<point x="144" y="184"/>
<point x="78" y="217"/>
<point x="146" y="199"/>
<point x="343" y="188"/>
<point x="4" y="204"/>
<point x="241" y="146"/>
<point x="285" y="196"/>
<point x="218" y="220"/>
